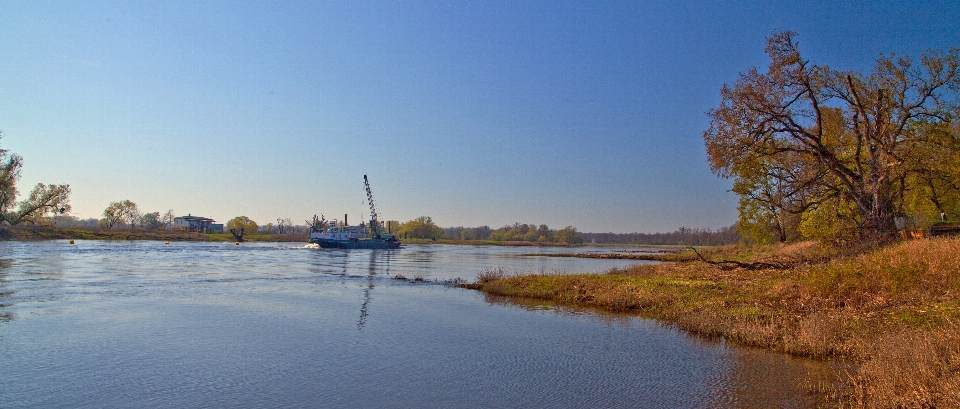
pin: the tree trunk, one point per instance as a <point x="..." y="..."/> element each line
<point x="878" y="222"/>
<point x="237" y="235"/>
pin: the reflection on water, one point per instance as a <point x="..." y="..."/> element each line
<point x="753" y="378"/>
<point x="137" y="324"/>
<point x="372" y="269"/>
<point x="749" y="377"/>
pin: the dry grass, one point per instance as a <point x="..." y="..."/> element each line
<point x="492" y="274"/>
<point x="907" y="368"/>
<point x="892" y="310"/>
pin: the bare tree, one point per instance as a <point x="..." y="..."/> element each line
<point x="167" y="219"/>
<point x="318" y="224"/>
<point x="133" y="215"/>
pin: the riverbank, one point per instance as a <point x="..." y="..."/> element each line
<point x="32" y="233"/>
<point x="893" y="313"/>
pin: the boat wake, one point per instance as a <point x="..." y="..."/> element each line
<point x="309" y="246"/>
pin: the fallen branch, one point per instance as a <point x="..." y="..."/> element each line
<point x="732" y="264"/>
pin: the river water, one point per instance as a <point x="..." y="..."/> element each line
<point x="144" y="324"/>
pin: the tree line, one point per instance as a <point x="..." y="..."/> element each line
<point x="841" y="156"/>
<point x="126" y="212"/>
<point x="536" y="233"/>
<point x="683" y="236"/>
<point x="424" y="228"/>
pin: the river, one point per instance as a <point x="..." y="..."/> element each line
<point x="147" y="324"/>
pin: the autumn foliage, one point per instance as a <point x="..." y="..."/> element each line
<point x="842" y="155"/>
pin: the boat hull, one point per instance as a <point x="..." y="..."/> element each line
<point x="356" y="244"/>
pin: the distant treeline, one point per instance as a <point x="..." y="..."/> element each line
<point x="683" y="236"/>
<point x="515" y="232"/>
<point x="152" y="221"/>
<point x="425" y="228"/>
<point x="531" y="232"/>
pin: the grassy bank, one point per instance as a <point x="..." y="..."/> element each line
<point x="28" y="233"/>
<point x="893" y="312"/>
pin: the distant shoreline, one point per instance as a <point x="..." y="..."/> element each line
<point x="39" y="233"/>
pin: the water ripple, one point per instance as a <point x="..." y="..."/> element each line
<point x="143" y="324"/>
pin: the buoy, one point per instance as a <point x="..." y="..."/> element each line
<point x="71" y="241"/>
<point x="237" y="243"/>
<point x="166" y="242"/>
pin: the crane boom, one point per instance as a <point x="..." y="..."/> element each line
<point x="374" y="219"/>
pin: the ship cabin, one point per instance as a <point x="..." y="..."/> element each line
<point x="346" y="232"/>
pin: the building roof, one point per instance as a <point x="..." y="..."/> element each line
<point x="190" y="218"/>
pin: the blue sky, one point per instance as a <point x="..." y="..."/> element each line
<point x="474" y="113"/>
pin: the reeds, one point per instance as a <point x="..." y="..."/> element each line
<point x="491" y="274"/>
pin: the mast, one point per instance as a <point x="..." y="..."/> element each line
<point x="374" y="220"/>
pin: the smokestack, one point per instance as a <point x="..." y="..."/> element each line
<point x="345" y="220"/>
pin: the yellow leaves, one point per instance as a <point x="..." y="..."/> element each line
<point x="829" y="221"/>
<point x="870" y="145"/>
<point x="244" y="223"/>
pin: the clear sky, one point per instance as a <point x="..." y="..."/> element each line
<point x="475" y="113"/>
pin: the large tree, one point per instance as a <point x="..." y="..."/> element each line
<point x="119" y="213"/>
<point x="132" y="214"/>
<point x="568" y="235"/>
<point x="43" y="200"/>
<point x="151" y="221"/>
<point x="240" y="225"/>
<point x="10" y="166"/>
<point x="801" y="138"/>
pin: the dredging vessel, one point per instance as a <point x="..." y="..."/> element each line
<point x="345" y="236"/>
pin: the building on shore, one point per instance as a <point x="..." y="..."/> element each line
<point x="196" y="224"/>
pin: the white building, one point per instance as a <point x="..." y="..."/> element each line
<point x="197" y="224"/>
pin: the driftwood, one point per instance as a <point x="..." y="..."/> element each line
<point x="732" y="264"/>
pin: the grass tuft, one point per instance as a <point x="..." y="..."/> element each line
<point x="491" y="274"/>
